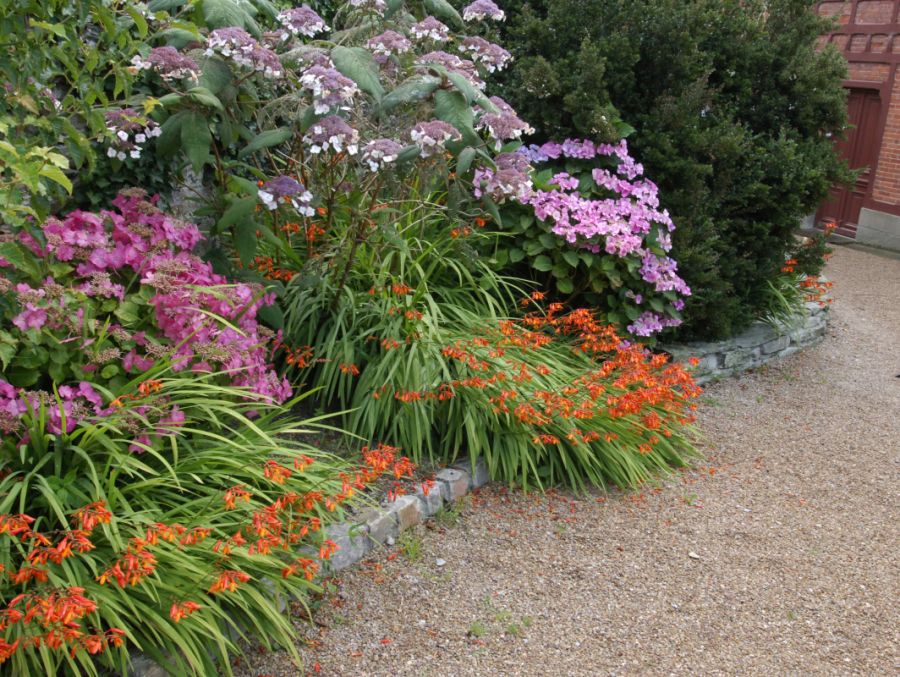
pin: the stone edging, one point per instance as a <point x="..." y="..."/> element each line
<point x="362" y="533"/>
<point x="758" y="345"/>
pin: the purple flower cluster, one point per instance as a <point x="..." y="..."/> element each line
<point x="388" y="43"/>
<point x="453" y="64"/>
<point x="129" y="131"/>
<point x="512" y="178"/>
<point x="288" y="190"/>
<point x="431" y="136"/>
<point x="329" y="88"/>
<point x="492" y="57"/>
<point x="75" y="403"/>
<point x="169" y="63"/>
<point x="242" y="48"/>
<point x="380" y="153"/>
<point x="627" y="224"/>
<point x="504" y="125"/>
<point x="430" y="29"/>
<point x="649" y="323"/>
<point x="137" y="243"/>
<point x="302" y="21"/>
<point x="483" y="9"/>
<point x="377" y="6"/>
<point x="332" y="133"/>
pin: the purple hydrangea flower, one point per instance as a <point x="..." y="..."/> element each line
<point x="129" y="131"/>
<point x="377" y="6"/>
<point x="453" y="64"/>
<point x="430" y="28"/>
<point x="333" y="133"/>
<point x="431" y="136"/>
<point x="389" y="42"/>
<point x="302" y="21"/>
<point x="492" y="57"/>
<point x="169" y="63"/>
<point x="380" y="152"/>
<point x="503" y="125"/>
<point x="483" y="9"/>
<point x="650" y="323"/>
<point x="512" y="178"/>
<point x="329" y="88"/>
<point x="289" y="190"/>
<point x="238" y="45"/>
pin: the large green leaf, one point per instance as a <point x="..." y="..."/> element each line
<point x="245" y="240"/>
<point x="358" y="65"/>
<point x="196" y="139"/>
<point x="444" y="10"/>
<point x="416" y="88"/>
<point x="266" y="139"/>
<point x="452" y="107"/>
<point x="216" y="74"/>
<point x="471" y="92"/>
<point x="240" y="210"/>
<point x="225" y="13"/>
<point x="205" y="98"/>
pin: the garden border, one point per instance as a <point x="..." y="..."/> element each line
<point x="360" y="534"/>
<point x="759" y="344"/>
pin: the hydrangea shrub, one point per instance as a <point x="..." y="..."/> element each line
<point x="93" y="301"/>
<point x="587" y="224"/>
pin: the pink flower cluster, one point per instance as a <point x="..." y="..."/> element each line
<point x="200" y="320"/>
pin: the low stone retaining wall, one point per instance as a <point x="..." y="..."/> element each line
<point x="758" y="345"/>
<point x="372" y="527"/>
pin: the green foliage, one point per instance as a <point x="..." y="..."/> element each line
<point x="734" y="108"/>
<point x="415" y="346"/>
<point x="225" y="441"/>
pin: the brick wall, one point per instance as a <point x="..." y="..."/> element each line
<point x="870" y="40"/>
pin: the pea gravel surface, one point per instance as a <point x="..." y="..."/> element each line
<point x="775" y="555"/>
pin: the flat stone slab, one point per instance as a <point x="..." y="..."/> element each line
<point x="454" y="483"/>
<point x="353" y="544"/>
<point x="408" y="510"/>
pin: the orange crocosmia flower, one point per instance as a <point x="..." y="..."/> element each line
<point x="276" y="472"/>
<point x="327" y="549"/>
<point x="351" y="369"/>
<point x="303" y="462"/>
<point x="93" y="514"/>
<point x="182" y="610"/>
<point x="234" y="494"/>
<point x="228" y="581"/>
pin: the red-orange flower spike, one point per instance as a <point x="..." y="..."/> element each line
<point x="327" y="549"/>
<point x="277" y="472"/>
<point x="93" y="514"/>
<point x="182" y="610"/>
<point x="235" y="494"/>
<point x="228" y="581"/>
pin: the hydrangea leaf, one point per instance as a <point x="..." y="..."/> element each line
<point x="358" y="65"/>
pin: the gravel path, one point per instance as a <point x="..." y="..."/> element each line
<point x="777" y="555"/>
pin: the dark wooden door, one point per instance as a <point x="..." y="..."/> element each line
<point x="860" y="149"/>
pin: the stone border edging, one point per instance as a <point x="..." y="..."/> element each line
<point x="374" y="526"/>
<point x="759" y="344"/>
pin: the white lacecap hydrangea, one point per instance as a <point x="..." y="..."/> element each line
<point x="302" y="21"/>
<point x="483" y="9"/>
<point x="430" y="28"/>
<point x="332" y="133"/>
<point x="388" y="43"/>
<point x="380" y="152"/>
<point x="431" y="136"/>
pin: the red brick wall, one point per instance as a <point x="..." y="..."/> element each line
<point x="869" y="38"/>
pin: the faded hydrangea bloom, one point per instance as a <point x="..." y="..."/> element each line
<point x="302" y="21"/>
<point x="288" y="190"/>
<point x="492" y="57"/>
<point x="130" y="130"/>
<point x="380" y="152"/>
<point x="389" y="42"/>
<point x="431" y="136"/>
<point x="377" y="6"/>
<point x="512" y="178"/>
<point x="333" y="133"/>
<point x="238" y="45"/>
<point x="453" y="64"/>
<point x="483" y="9"/>
<point x="430" y="28"/>
<point x="329" y="88"/>
<point x="503" y="125"/>
<point x="169" y="63"/>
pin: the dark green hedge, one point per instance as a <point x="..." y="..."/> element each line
<point x="733" y="109"/>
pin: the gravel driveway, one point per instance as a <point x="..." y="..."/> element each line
<point x="777" y="555"/>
